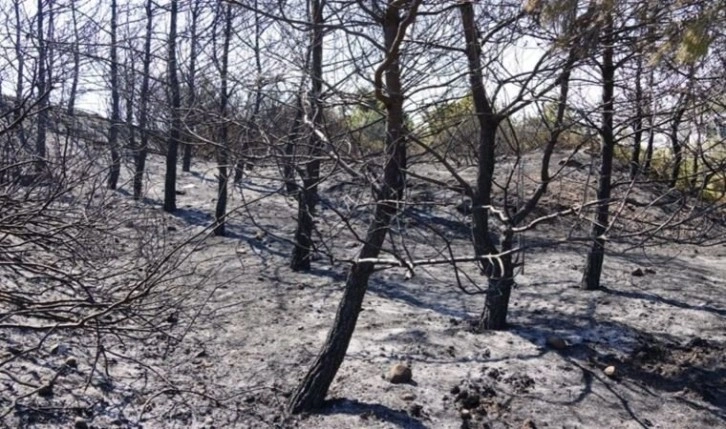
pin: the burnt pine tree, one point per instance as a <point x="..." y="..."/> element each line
<point x="19" y="84"/>
<point x="115" y="169"/>
<point x="223" y="143"/>
<point x="175" y="105"/>
<point x="196" y="10"/>
<point x="141" y="151"/>
<point x="310" y="393"/>
<point x="308" y="194"/>
<point x="500" y="275"/>
<point x="596" y="255"/>
<point x="500" y="269"/>
<point x="43" y="90"/>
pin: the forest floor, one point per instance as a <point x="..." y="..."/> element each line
<point x="249" y="328"/>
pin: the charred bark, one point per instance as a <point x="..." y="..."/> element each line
<point x="311" y="392"/>
<point x="176" y="123"/>
<point x="191" y="86"/>
<point x="223" y="149"/>
<point x="596" y="255"/>
<point x="141" y="151"/>
<point x="113" y="133"/>
<point x="308" y="193"/>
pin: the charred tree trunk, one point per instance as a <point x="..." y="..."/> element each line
<point x="130" y="93"/>
<point x="500" y="274"/>
<point x="223" y="149"/>
<point x="308" y="194"/>
<point x="290" y="149"/>
<point x="115" y="169"/>
<point x="676" y="144"/>
<point x="76" y="63"/>
<point x="43" y="90"/>
<point x="637" y="122"/>
<point x="311" y="392"/>
<point x="141" y="152"/>
<point x="596" y="255"/>
<point x="19" y="85"/>
<point x="251" y="132"/>
<point x="176" y="124"/>
<point x="191" y="87"/>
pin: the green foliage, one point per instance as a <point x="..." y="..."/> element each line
<point x="366" y="123"/>
<point x="694" y="42"/>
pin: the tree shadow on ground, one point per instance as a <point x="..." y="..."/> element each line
<point x="693" y="371"/>
<point x="653" y="298"/>
<point x="368" y="411"/>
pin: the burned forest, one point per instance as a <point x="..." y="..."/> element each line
<point x="362" y="214"/>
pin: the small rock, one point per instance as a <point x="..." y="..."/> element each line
<point x="649" y="271"/>
<point x="408" y="396"/>
<point x="465" y="414"/>
<point x="415" y="410"/>
<point x="80" y="424"/>
<point x="455" y="390"/>
<point x="637" y="273"/>
<point x="57" y="348"/>
<point x="250" y="399"/>
<point x="609" y="371"/>
<point x="555" y="342"/>
<point x="529" y="424"/>
<point x="260" y="235"/>
<point x="400" y="373"/>
<point x="471" y="401"/>
<point x="171" y="228"/>
<point x="71" y="362"/>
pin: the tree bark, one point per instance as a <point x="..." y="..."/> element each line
<point x="191" y="86"/>
<point x="43" y="104"/>
<point x="115" y="169"/>
<point x="311" y="392"/>
<point x="223" y="150"/>
<point x="176" y="123"/>
<point x="141" y="152"/>
<point x="290" y="149"/>
<point x="76" y="62"/>
<point x="594" y="263"/>
<point x="308" y="194"/>
<point x="638" y="121"/>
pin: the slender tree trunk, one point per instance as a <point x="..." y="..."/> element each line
<point x="290" y="149"/>
<point x="76" y="62"/>
<point x="113" y="133"/>
<point x="308" y="194"/>
<point x="141" y="152"/>
<point x="175" y="104"/>
<point x="19" y="84"/>
<point x="651" y="131"/>
<point x="130" y="90"/>
<point x="638" y="121"/>
<point x="43" y="90"/>
<point x="191" y="85"/>
<point x="676" y="143"/>
<point x="223" y="151"/>
<point x="596" y="255"/>
<point x="311" y="392"/>
<point x="500" y="274"/>
<point x="252" y="130"/>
